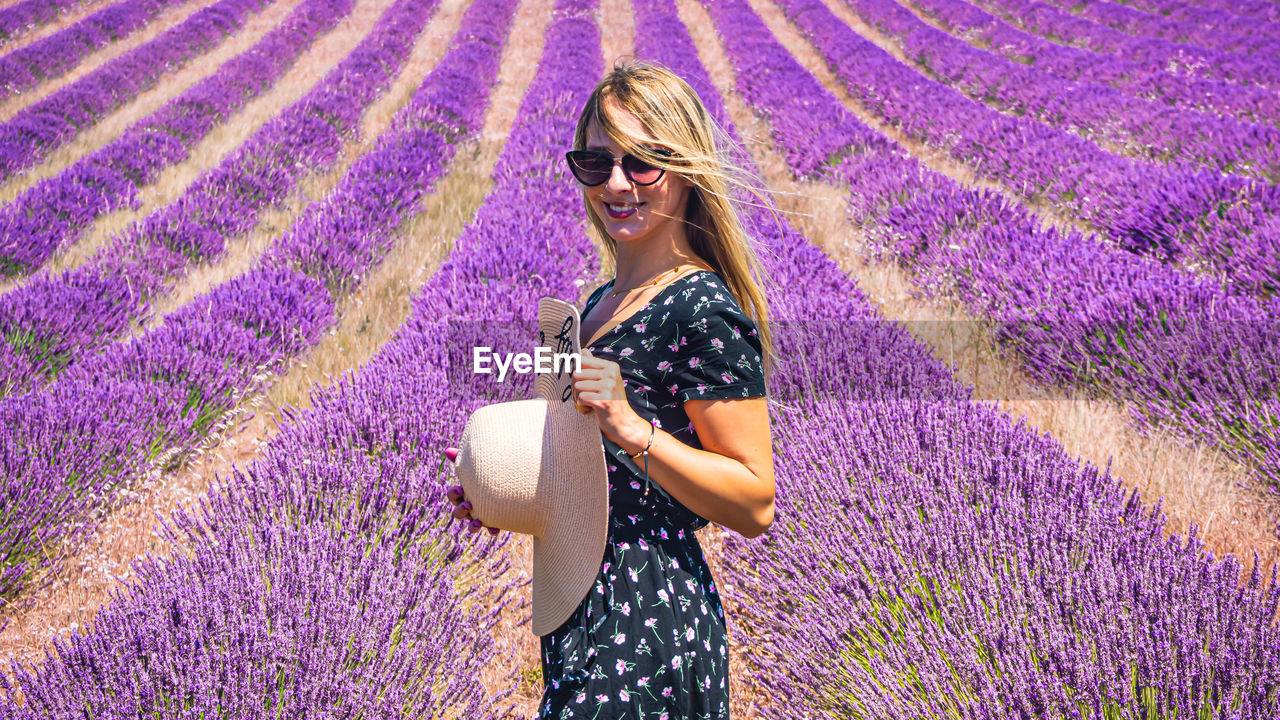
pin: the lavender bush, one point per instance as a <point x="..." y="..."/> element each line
<point x="55" y="319"/>
<point x="145" y="404"/>
<point x="1149" y="130"/>
<point x="968" y="567"/>
<point x="52" y="56"/>
<point x="1219" y="225"/>
<point x="22" y="17"/>
<point x="276" y="588"/>
<point x="1245" y="102"/>
<point x="41" y="128"/>
<point x="322" y="577"/>
<point x="1253" y="19"/>
<point x="53" y="213"/>
<point x="1195" y="33"/>
<point x="1184" y="353"/>
<point x="1256" y="9"/>
<point x="1154" y="53"/>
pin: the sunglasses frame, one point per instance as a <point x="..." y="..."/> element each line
<point x="619" y="160"/>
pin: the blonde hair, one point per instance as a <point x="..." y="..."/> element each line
<point x="673" y="114"/>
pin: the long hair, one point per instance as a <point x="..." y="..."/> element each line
<point x="703" y="153"/>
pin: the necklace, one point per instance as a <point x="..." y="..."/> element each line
<point x="616" y="293"/>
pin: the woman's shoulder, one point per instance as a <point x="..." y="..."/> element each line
<point x="707" y="315"/>
<point x="717" y="346"/>
<point x="705" y="295"/>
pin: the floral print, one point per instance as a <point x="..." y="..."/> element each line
<point x="648" y="642"/>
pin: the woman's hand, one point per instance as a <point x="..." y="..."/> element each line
<point x="462" y="509"/>
<point x="598" y="388"/>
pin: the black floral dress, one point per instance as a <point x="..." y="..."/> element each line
<point x="648" y="642"/>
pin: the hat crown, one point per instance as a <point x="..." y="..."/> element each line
<point x="501" y="463"/>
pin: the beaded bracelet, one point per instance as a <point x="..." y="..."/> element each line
<point x="635" y="455"/>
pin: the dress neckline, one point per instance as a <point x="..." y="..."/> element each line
<point x="640" y="309"/>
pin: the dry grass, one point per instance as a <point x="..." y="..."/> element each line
<point x="372" y="314"/>
<point x="617" y="31"/>
<point x="273" y="222"/>
<point x="167" y="19"/>
<point x="171" y="85"/>
<point x="517" y="661"/>
<point x="1197" y="485"/>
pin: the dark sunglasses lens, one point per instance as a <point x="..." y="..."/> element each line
<point x="589" y="167"/>
<point x="640" y="172"/>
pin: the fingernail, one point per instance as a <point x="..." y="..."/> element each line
<point x="493" y="531"/>
<point x="452" y="454"/>
<point x="476" y="524"/>
<point x="466" y="504"/>
<point x="458" y="489"/>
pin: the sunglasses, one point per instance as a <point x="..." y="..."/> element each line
<point x="593" y="167"/>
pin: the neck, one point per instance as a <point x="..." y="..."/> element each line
<point x="640" y="264"/>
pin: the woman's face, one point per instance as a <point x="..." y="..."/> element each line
<point x="631" y="212"/>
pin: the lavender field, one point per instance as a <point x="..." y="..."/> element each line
<point x="1024" y="276"/>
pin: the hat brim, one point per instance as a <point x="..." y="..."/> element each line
<point x="568" y="555"/>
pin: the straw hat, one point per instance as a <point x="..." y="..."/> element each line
<point x="537" y="467"/>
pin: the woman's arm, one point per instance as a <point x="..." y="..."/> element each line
<point x="730" y="481"/>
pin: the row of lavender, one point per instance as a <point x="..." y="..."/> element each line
<point x="1153" y="53"/>
<point x="52" y="56"/>
<point x="1135" y="22"/>
<point x="970" y="567"/>
<point x="144" y="404"/>
<point x="55" y="211"/>
<point x="41" y="128"/>
<point x="1153" y="131"/>
<point x="1244" y="102"/>
<point x="1220" y="225"/>
<point x="1185" y="352"/>
<point x="1267" y="12"/>
<point x="319" y="580"/>
<point x="23" y="17"/>
<point x="54" y="320"/>
<point x="1248" y="17"/>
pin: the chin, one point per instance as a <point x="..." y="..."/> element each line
<point x="627" y="235"/>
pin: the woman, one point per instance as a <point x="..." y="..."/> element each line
<point x="677" y="385"/>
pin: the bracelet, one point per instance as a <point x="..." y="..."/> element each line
<point x="636" y="455"/>
<point x="645" y="452"/>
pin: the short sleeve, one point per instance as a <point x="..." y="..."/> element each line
<point x="722" y="356"/>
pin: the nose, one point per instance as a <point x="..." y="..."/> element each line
<point x="618" y="182"/>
